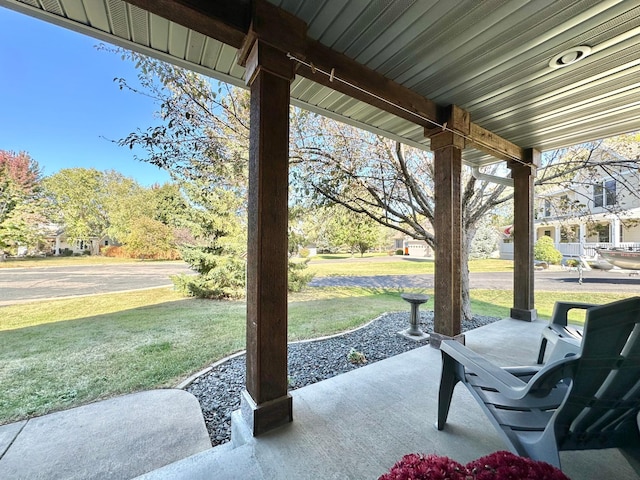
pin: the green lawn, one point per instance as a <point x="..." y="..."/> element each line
<point x="29" y="262"/>
<point x="396" y="265"/>
<point x="63" y="353"/>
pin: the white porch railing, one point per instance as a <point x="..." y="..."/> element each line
<point x="587" y="250"/>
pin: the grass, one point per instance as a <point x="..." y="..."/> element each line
<point x="484" y="302"/>
<point x="347" y="256"/>
<point x="30" y="262"/>
<point x="63" y="353"/>
<point x="323" y="267"/>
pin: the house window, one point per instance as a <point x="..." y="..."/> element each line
<point x="547" y="208"/>
<point x="603" y="233"/>
<point x="547" y="233"/>
<point x="604" y="194"/>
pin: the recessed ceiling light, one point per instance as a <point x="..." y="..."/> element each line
<point x="569" y="57"/>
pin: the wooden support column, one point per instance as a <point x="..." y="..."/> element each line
<point x="523" y="174"/>
<point x="447" y="147"/>
<point x="265" y="404"/>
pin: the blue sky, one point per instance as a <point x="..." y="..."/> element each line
<point x="58" y="100"/>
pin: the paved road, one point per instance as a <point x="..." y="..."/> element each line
<point x="555" y="281"/>
<point x="29" y="284"/>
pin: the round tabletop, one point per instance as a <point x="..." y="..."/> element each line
<point x="416" y="298"/>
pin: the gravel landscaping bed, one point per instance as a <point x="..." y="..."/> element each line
<point x="218" y="390"/>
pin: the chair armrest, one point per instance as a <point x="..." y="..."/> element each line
<point x="564" y="347"/>
<point x="561" y="311"/>
<point x="490" y="374"/>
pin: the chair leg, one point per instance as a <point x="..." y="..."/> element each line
<point x="447" y="384"/>
<point x="543" y="347"/>
<point x="632" y="454"/>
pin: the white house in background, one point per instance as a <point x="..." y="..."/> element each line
<point x="600" y="210"/>
<point x="56" y="242"/>
<point x="410" y="246"/>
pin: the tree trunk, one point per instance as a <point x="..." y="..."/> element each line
<point x="467" y="238"/>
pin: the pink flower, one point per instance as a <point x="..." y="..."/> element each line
<point x="497" y="466"/>
<point x="507" y="466"/>
<point x="430" y="467"/>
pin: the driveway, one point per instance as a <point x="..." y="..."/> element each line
<point x="29" y="284"/>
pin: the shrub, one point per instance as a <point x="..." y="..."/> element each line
<point x="485" y="241"/>
<point x="545" y="251"/>
<point x="221" y="276"/>
<point x="115" y="251"/>
<point x="399" y="252"/>
<point x="298" y="278"/>
<point x="304" y="252"/>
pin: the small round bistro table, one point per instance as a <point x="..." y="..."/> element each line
<point x="415" y="299"/>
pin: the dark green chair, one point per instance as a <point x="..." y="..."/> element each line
<point x="587" y="401"/>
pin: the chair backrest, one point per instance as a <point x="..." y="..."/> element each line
<point x="602" y="406"/>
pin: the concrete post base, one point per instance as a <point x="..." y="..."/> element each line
<point x="526" y="315"/>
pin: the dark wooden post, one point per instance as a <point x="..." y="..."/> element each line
<point x="265" y="404"/>
<point x="447" y="147"/>
<point x="523" y="174"/>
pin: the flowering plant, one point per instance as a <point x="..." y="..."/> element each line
<point x="497" y="466"/>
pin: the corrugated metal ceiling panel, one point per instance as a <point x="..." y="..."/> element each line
<point x="489" y="57"/>
<point x="75" y="10"/>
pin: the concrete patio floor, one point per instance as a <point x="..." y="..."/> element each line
<point x="353" y="426"/>
<point x="357" y="425"/>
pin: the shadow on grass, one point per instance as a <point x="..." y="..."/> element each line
<point x="418" y="259"/>
<point x="66" y="363"/>
<point x="635" y="280"/>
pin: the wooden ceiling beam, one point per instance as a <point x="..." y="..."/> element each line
<point x="240" y="22"/>
<point x="366" y="85"/>
<point x="487" y="141"/>
<point x="225" y="21"/>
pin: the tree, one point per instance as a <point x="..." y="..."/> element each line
<point x="203" y="142"/>
<point x="204" y="135"/>
<point x="203" y="131"/>
<point x="358" y="233"/>
<point x="149" y="238"/>
<point x="21" y="208"/>
<point x="84" y="201"/>
<point x="485" y="241"/>
<point x="216" y="251"/>
<point x="148" y="222"/>
<point x="393" y="184"/>
<point x="386" y="181"/>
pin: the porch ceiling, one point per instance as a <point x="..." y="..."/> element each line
<point x="490" y="58"/>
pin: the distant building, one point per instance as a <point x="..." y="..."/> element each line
<point x="600" y="210"/>
<point x="411" y="246"/>
<point x="57" y="243"/>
